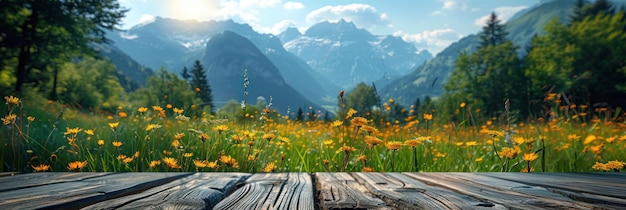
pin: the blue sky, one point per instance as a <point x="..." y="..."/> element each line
<point x="430" y="24"/>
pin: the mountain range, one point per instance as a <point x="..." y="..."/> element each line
<point x="347" y="55"/>
<point x="311" y="67"/>
<point x="228" y="55"/>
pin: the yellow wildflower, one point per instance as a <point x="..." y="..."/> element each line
<point x="153" y="126"/>
<point x="337" y="123"/>
<point x="221" y="128"/>
<point x="9" y="119"/>
<point x="171" y="162"/>
<point x="367" y="169"/>
<point x="212" y="164"/>
<point x="76" y="165"/>
<point x="229" y="161"/>
<point x="142" y="109"/>
<point x="41" y="167"/>
<point x="599" y="167"/>
<point x="351" y="112"/>
<point x="372" y="140"/>
<point x="615" y="165"/>
<point x="188" y="154"/>
<point x="238" y="138"/>
<point x="462" y="105"/>
<point x="154" y="163"/>
<point x="168" y="153"/>
<point x="393" y="145"/>
<point x="117" y="143"/>
<point x="200" y="163"/>
<point x="12" y="100"/>
<point x="269" y="136"/>
<point x="100" y="142"/>
<point x="179" y="136"/>
<point x="347" y="149"/>
<point x="480" y="159"/>
<point x="122" y="114"/>
<point x="573" y="137"/>
<point x="493" y="133"/>
<point x="119" y="157"/>
<point x="30" y="118"/>
<point x="284" y="139"/>
<point x="361" y="158"/>
<point x="509" y="152"/>
<point x="204" y="137"/>
<point x="428" y="117"/>
<point x="412" y="143"/>
<point x="471" y="143"/>
<point x="178" y="111"/>
<point x="175" y="143"/>
<point x="73" y="131"/>
<point x="590" y="138"/>
<point x="89" y="132"/>
<point x="530" y="156"/>
<point x="114" y="125"/>
<point x="359" y="122"/>
<point x="269" y="167"/>
<point x="369" y="129"/>
<point x="128" y="160"/>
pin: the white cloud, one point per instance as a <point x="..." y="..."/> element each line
<point x="259" y="3"/>
<point x="435" y="40"/>
<point x="145" y="18"/>
<point x="282" y="26"/>
<point x="503" y="13"/>
<point x="363" y="15"/>
<point x="454" y="5"/>
<point x="290" y="5"/>
<point x="449" y="5"/>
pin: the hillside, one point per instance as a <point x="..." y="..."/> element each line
<point x="429" y="78"/>
<point x="228" y="54"/>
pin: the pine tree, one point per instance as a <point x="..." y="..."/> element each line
<point x="493" y="33"/>
<point x="199" y="83"/>
<point x="578" y="11"/>
<point x="185" y="74"/>
<point x="41" y="35"/>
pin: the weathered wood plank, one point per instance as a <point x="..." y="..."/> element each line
<point x="198" y="191"/>
<point x="83" y="192"/>
<point x="400" y="191"/>
<point x="341" y="191"/>
<point x="21" y="181"/>
<point x="8" y="173"/>
<point x="499" y="192"/>
<point x="595" y="188"/>
<point x="272" y="191"/>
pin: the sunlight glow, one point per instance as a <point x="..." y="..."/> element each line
<point x="191" y="9"/>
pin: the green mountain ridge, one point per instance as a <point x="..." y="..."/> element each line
<point x="429" y="78"/>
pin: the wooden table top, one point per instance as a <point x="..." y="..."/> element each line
<point x="313" y="191"/>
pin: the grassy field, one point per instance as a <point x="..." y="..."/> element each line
<point x="47" y="136"/>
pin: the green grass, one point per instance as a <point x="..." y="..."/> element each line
<point x="568" y="143"/>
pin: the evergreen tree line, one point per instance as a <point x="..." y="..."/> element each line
<point x="582" y="62"/>
<point x="47" y="51"/>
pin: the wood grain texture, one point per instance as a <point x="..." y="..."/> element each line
<point x="21" y="181"/>
<point x="83" y="192"/>
<point x="198" y="191"/>
<point x="313" y="191"/>
<point x="272" y="191"/>
<point x="603" y="189"/>
<point x="499" y="192"/>
<point x="400" y="191"/>
<point x="342" y="191"/>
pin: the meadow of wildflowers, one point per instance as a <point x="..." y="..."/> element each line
<point x="47" y="136"/>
